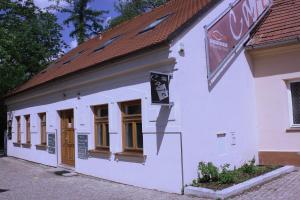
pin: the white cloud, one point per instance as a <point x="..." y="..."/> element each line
<point x="43" y="3"/>
<point x="46" y="3"/>
<point x="73" y="44"/>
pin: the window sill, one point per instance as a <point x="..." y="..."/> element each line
<point x="99" y="153"/>
<point x="130" y="154"/>
<point x="17" y="144"/>
<point x="41" y="147"/>
<point x="135" y="157"/>
<point x="26" y="145"/>
<point x="293" y="130"/>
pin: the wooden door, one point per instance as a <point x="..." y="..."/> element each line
<point x="67" y="138"/>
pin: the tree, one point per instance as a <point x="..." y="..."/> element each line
<point x="87" y="22"/>
<point x="128" y="9"/>
<point x="29" y="40"/>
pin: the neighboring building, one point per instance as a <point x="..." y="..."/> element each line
<point x="92" y="109"/>
<point x="275" y="54"/>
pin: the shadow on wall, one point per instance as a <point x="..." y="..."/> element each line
<point x="161" y="124"/>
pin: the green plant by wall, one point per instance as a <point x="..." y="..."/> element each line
<point x="227" y="176"/>
<point x="211" y="177"/>
<point x="207" y="172"/>
<point x="249" y="167"/>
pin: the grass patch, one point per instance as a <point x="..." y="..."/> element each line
<point x="209" y="176"/>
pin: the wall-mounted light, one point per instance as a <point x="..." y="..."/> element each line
<point x="181" y="49"/>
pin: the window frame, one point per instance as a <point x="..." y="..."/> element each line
<point x="290" y="102"/>
<point x="134" y="119"/>
<point x="27" y="126"/>
<point x="19" y="138"/>
<point x="104" y="122"/>
<point x="43" y="124"/>
<point x="155" y="23"/>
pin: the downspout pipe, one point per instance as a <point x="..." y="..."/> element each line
<point x="181" y="159"/>
<point x="56" y="147"/>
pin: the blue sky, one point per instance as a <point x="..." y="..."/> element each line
<point x="95" y="4"/>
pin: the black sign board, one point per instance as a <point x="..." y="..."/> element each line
<point x="159" y="88"/>
<point x="9" y="130"/>
<point x="82" y="146"/>
<point x="51" y="143"/>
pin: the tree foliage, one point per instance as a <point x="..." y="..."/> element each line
<point x="86" y="21"/>
<point x="29" y="40"/>
<point x="128" y="9"/>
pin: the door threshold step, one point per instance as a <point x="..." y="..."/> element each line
<point x="66" y="167"/>
<point x="65" y="173"/>
<point x="70" y="174"/>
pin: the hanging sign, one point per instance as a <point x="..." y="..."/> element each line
<point x="224" y="36"/>
<point x="159" y="88"/>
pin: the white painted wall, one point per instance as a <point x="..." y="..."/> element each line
<point x="198" y="114"/>
<point x="162" y="167"/>
<point x="30" y="154"/>
<point x="229" y="107"/>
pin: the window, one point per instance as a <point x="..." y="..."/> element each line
<point x="295" y="92"/>
<point x="154" y="24"/>
<point x="101" y="127"/>
<point x="107" y="43"/>
<point x="27" y="118"/>
<point x="74" y="57"/>
<point x="18" y="129"/>
<point x="43" y="128"/>
<point x="132" y="126"/>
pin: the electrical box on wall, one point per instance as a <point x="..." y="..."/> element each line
<point x="221" y="143"/>
<point x="233" y="138"/>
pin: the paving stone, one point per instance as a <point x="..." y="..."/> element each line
<point x="28" y="181"/>
<point x="286" y="187"/>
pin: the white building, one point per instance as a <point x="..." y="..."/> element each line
<point x="92" y="111"/>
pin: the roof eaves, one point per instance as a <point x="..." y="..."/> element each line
<point x="205" y="10"/>
<point x="276" y="43"/>
<point x="166" y="41"/>
<point x="115" y="59"/>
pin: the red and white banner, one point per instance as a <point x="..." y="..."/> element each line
<point x="224" y="36"/>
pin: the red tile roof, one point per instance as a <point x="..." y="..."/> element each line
<point x="182" y="12"/>
<point x="281" y="24"/>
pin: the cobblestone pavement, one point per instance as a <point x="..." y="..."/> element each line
<point x="286" y="187"/>
<point x="28" y="181"/>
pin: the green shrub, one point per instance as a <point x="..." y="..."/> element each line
<point x="227" y="176"/>
<point x="210" y="175"/>
<point x="207" y="172"/>
<point x="195" y="183"/>
<point x="249" y="167"/>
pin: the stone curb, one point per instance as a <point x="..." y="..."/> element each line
<point x="239" y="188"/>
